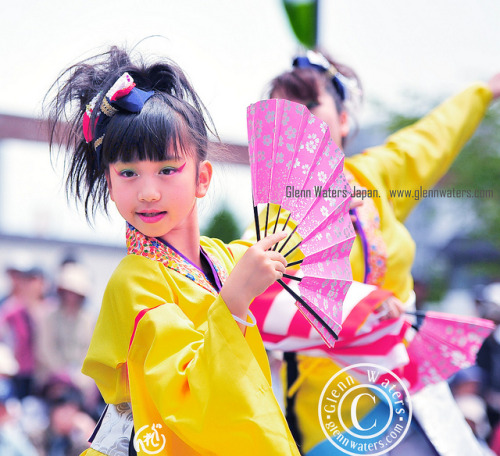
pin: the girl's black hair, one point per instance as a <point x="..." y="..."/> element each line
<point x="172" y="123"/>
<point x="305" y="84"/>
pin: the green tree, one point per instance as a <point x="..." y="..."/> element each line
<point x="223" y="226"/>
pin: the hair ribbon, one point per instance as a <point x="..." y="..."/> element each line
<point x="122" y="96"/>
<point x="319" y="62"/>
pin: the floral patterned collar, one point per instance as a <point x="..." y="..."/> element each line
<point x="158" y="250"/>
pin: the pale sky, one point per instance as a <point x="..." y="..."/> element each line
<point x="230" y="49"/>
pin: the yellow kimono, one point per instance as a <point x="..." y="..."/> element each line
<point x="414" y="157"/>
<point x="166" y="342"/>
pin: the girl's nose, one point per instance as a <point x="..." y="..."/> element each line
<point x="149" y="193"/>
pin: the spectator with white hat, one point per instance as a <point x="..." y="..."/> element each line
<point x="65" y="332"/>
<point x="18" y="319"/>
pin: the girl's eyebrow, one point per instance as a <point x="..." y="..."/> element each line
<point x="179" y="169"/>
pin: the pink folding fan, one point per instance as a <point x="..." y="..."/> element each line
<point x="295" y="165"/>
<point x="444" y="344"/>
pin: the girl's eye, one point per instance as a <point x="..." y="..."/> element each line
<point x="168" y="171"/>
<point x="127" y="173"/>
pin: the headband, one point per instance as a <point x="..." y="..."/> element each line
<point x="319" y="62"/>
<point x="122" y="96"/>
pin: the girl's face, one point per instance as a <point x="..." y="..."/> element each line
<point x="159" y="198"/>
<point x="325" y="109"/>
<point x="338" y="123"/>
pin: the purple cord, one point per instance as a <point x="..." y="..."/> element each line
<point x="359" y="229"/>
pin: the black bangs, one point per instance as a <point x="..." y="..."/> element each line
<point x="159" y="132"/>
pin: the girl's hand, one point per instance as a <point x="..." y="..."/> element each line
<point x="355" y="202"/>
<point x="253" y="274"/>
<point x="392" y="307"/>
<point x="494" y="84"/>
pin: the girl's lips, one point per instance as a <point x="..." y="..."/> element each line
<point x="151" y="217"/>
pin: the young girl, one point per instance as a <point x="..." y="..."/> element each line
<point x="382" y="254"/>
<point x="174" y="338"/>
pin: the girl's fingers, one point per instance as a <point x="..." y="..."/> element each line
<point x="278" y="257"/>
<point x="269" y="241"/>
<point x="355" y="202"/>
<point x="280" y="267"/>
<point x="390" y="308"/>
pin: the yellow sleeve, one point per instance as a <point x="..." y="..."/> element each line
<point x="419" y="155"/>
<point x="238" y="249"/>
<point x="137" y="283"/>
<point x="204" y="384"/>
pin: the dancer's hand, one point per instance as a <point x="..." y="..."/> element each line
<point x="392" y="307"/>
<point x="254" y="273"/>
<point x="494" y="84"/>
<point x="355" y="202"/>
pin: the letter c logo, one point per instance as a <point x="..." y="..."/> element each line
<point x="354" y="415"/>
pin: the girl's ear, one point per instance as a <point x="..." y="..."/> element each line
<point x="108" y="181"/>
<point x="204" y="177"/>
<point x="344" y="124"/>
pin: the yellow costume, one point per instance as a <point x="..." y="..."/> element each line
<point x="190" y="375"/>
<point x="414" y="157"/>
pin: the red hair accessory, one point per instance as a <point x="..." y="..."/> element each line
<point x="122" y="96"/>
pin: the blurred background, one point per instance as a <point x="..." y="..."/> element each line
<point x="409" y="56"/>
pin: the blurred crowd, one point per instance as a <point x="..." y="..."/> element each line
<point x="477" y="388"/>
<point x="47" y="406"/>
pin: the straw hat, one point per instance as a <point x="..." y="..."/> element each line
<point x="23" y="263"/>
<point x="74" y="277"/>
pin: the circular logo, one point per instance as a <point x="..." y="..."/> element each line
<point x="365" y="409"/>
<point x="149" y="441"/>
